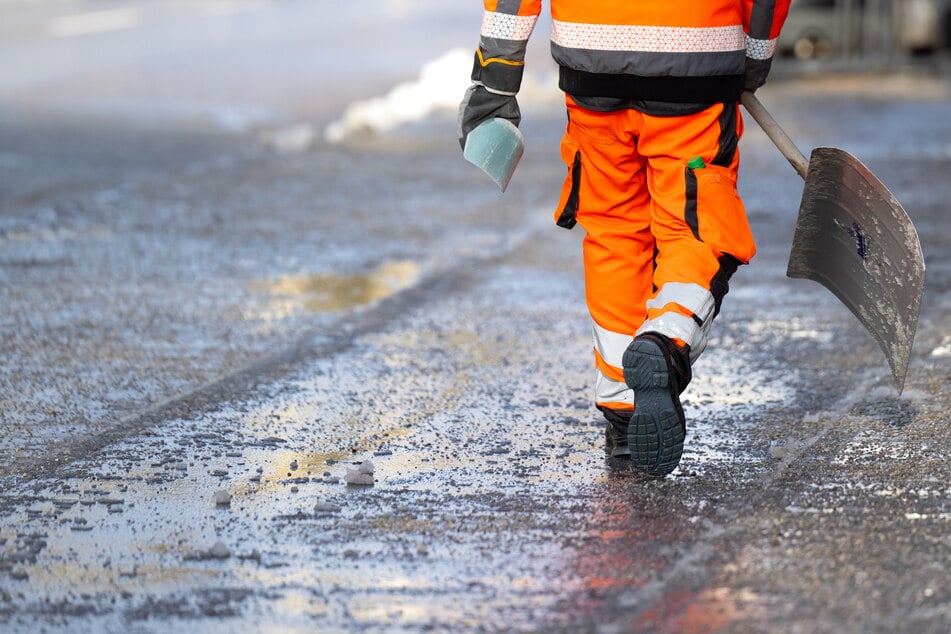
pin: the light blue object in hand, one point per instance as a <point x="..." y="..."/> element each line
<point x="495" y="146"/>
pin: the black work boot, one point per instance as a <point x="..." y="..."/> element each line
<point x="658" y="371"/>
<point x="615" y="433"/>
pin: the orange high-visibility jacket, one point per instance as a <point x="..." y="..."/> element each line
<point x="664" y="50"/>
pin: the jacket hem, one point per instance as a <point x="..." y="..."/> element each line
<point x="714" y="89"/>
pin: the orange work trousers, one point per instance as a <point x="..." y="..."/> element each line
<point x="665" y="226"/>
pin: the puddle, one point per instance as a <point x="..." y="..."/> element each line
<point x="333" y="292"/>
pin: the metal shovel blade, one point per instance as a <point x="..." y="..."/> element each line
<point x="853" y="237"/>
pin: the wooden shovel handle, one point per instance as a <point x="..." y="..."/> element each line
<point x="775" y="133"/>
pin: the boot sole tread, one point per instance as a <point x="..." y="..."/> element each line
<point x="655" y="435"/>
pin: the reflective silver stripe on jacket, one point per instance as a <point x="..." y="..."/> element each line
<point x="502" y="26"/>
<point x="760" y="49"/>
<point x="650" y="51"/>
<point x="653" y="39"/>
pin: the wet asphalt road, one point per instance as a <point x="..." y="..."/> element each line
<point x="261" y="323"/>
<point x="204" y="336"/>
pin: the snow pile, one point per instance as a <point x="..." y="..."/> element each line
<point x="943" y="349"/>
<point x="326" y="507"/>
<point x="362" y="475"/>
<point x="441" y="85"/>
<point x="219" y="551"/>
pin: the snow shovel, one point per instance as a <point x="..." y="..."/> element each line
<point x="853" y="237"/>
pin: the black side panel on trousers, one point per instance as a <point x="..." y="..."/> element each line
<point x="728" y="137"/>
<point x="690" y="204"/>
<point x="570" y="212"/>
<point x="720" y="284"/>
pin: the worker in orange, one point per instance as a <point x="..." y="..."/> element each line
<point x="652" y="91"/>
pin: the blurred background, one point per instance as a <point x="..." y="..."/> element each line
<point x="252" y="64"/>
<point x="878" y="29"/>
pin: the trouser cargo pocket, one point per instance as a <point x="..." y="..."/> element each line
<point x="715" y="212"/>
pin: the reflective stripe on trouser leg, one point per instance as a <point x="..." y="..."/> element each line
<point x="692" y="329"/>
<point x="610" y="389"/>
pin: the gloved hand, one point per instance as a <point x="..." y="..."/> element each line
<point x="480" y="105"/>
<point x="755" y="74"/>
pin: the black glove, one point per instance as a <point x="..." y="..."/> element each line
<point x="480" y="105"/>
<point x="756" y="72"/>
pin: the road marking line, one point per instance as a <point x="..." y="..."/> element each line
<point x="95" y="22"/>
